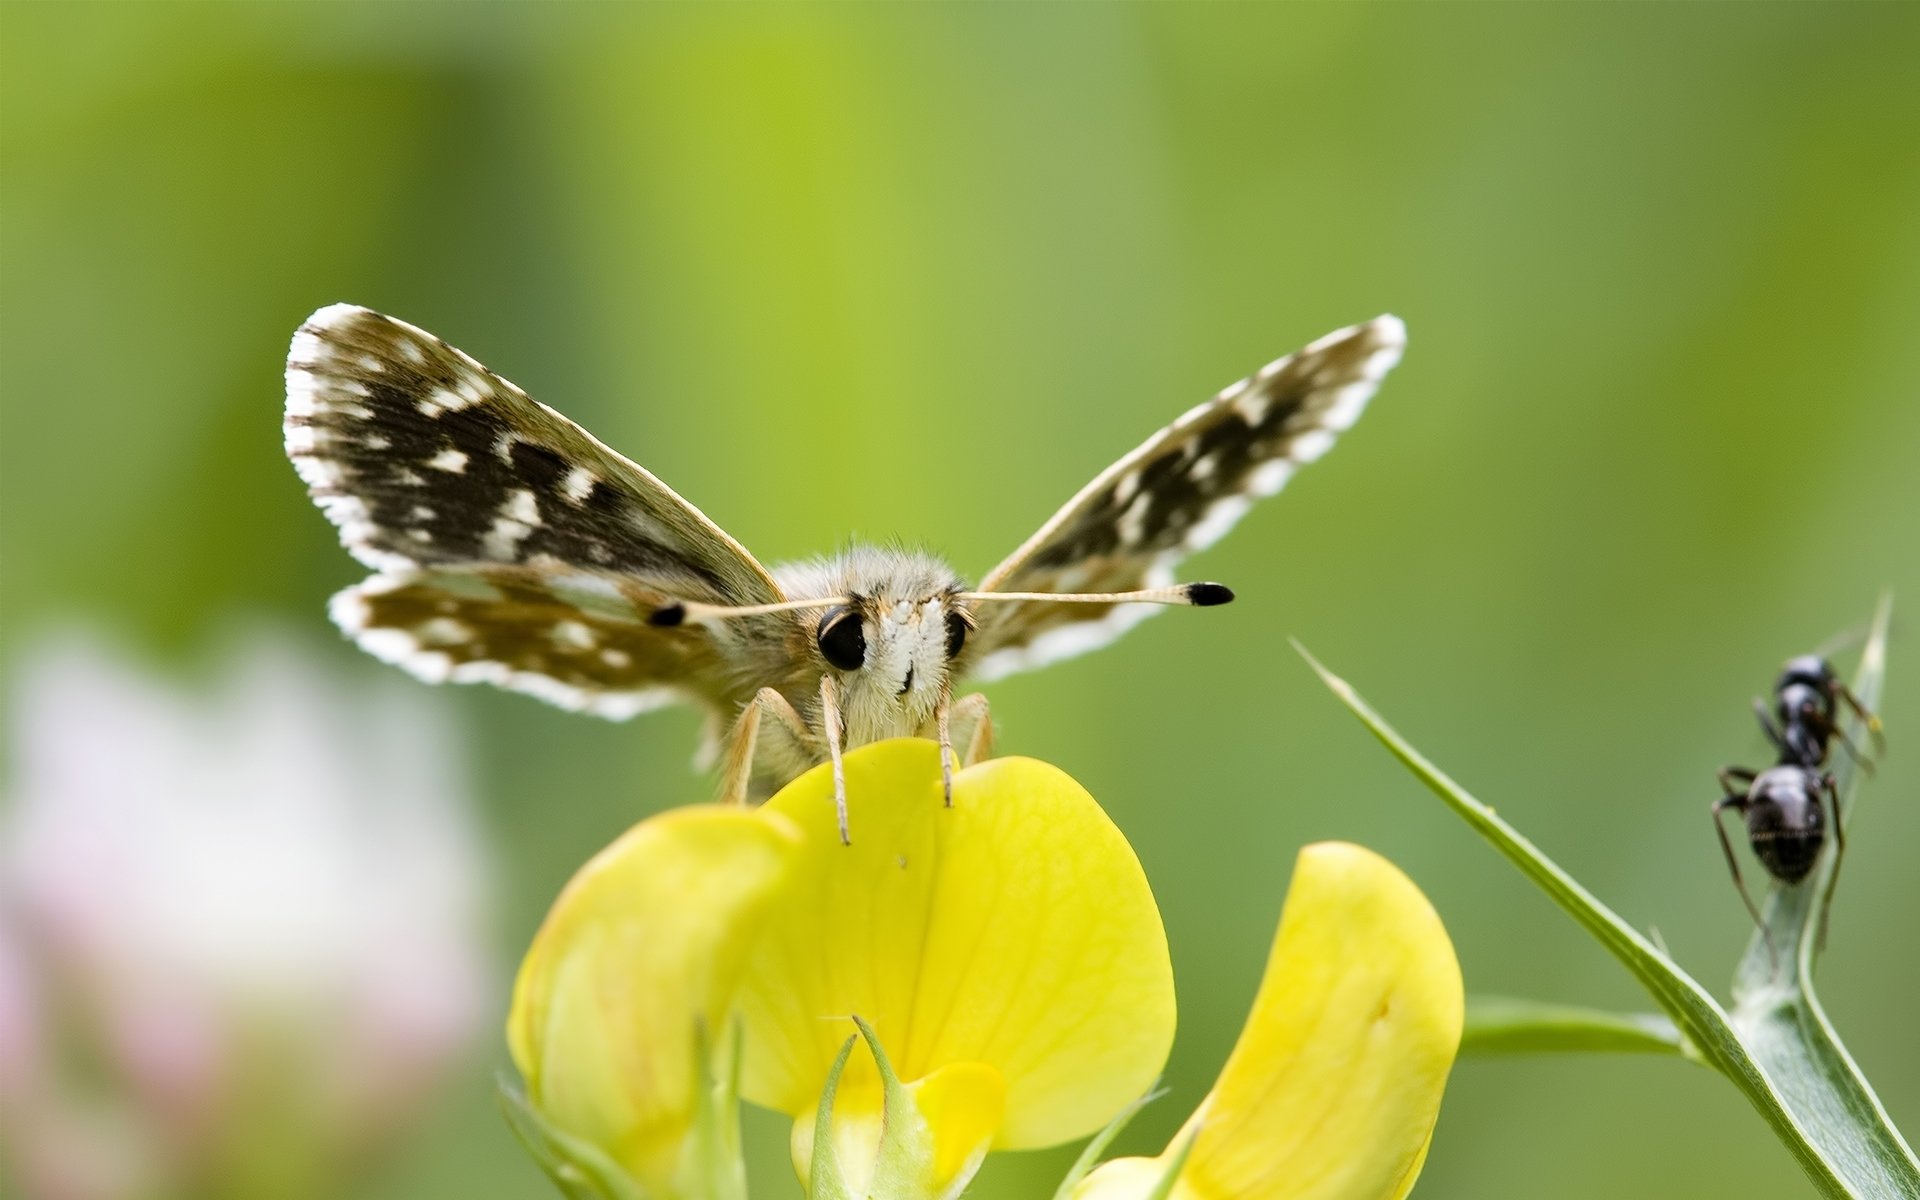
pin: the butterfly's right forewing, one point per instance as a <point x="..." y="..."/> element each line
<point x="512" y="547"/>
<point x="423" y="457"/>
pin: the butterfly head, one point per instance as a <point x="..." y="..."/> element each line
<point x="893" y="629"/>
<point x="903" y="646"/>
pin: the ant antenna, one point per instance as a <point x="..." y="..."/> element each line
<point x="1846" y="639"/>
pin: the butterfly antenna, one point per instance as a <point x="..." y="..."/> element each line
<point x="692" y="612"/>
<point x="1194" y="595"/>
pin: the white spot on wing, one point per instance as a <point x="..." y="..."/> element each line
<point x="1310" y="445"/>
<point x="450" y="460"/>
<point x="522" y="507"/>
<point x="1348" y="403"/>
<point x="1222" y="516"/>
<point x="444" y="631"/>
<point x="1132" y="524"/>
<point x="502" y="542"/>
<point x="578" y="485"/>
<point x="1270" y="477"/>
<point x="591" y="585"/>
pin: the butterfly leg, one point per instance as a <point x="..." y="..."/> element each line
<point x="830" y="723"/>
<point x="961" y="721"/>
<point x="744" y="747"/>
<point x="973" y="728"/>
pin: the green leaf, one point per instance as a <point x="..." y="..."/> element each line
<point x="1501" y="1025"/>
<point x="1098" y="1146"/>
<point x="579" y="1170"/>
<point x="1782" y="1053"/>
<point x="905" y="1156"/>
<point x="826" y="1181"/>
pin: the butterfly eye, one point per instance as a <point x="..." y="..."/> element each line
<point x="956" y="634"/>
<point x="841" y="639"/>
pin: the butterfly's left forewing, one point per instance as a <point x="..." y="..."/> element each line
<point x="512" y="547"/>
<point x="1177" y="494"/>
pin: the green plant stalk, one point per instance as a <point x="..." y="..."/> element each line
<point x="1809" y="1091"/>
<point x="1500" y="1025"/>
<point x="1090" y="1154"/>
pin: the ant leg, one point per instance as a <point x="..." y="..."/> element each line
<point x="1832" y="789"/>
<point x="1738" y="804"/>
<point x="1852" y="748"/>
<point x="1767" y="726"/>
<point x="1729" y="774"/>
<point x="1867" y="717"/>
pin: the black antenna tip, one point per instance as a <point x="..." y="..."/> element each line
<point x="1206" y="595"/>
<point x="668" y="617"/>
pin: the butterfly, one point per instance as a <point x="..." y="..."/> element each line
<point x="512" y="547"/>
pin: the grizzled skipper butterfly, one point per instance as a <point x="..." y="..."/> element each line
<point x="512" y="547"/>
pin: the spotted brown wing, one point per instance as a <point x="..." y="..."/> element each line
<point x="500" y="529"/>
<point x="1178" y="493"/>
<point x="575" y="638"/>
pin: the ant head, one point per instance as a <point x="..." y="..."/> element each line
<point x="1808" y="670"/>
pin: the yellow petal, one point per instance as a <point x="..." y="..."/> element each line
<point x="641" y="951"/>
<point x="963" y="1105"/>
<point x="1123" y="1179"/>
<point x="1333" y="1088"/>
<point x="1013" y="930"/>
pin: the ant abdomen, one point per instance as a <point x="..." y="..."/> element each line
<point x="1786" y="822"/>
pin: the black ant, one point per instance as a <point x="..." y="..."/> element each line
<point x="1785" y="806"/>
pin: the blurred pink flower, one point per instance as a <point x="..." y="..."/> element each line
<point x="240" y="927"/>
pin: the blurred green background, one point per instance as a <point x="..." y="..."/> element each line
<point x="921" y="272"/>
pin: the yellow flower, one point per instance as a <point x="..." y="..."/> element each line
<point x="634" y="969"/>
<point x="1334" y="1086"/>
<point x="1006" y="951"/>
